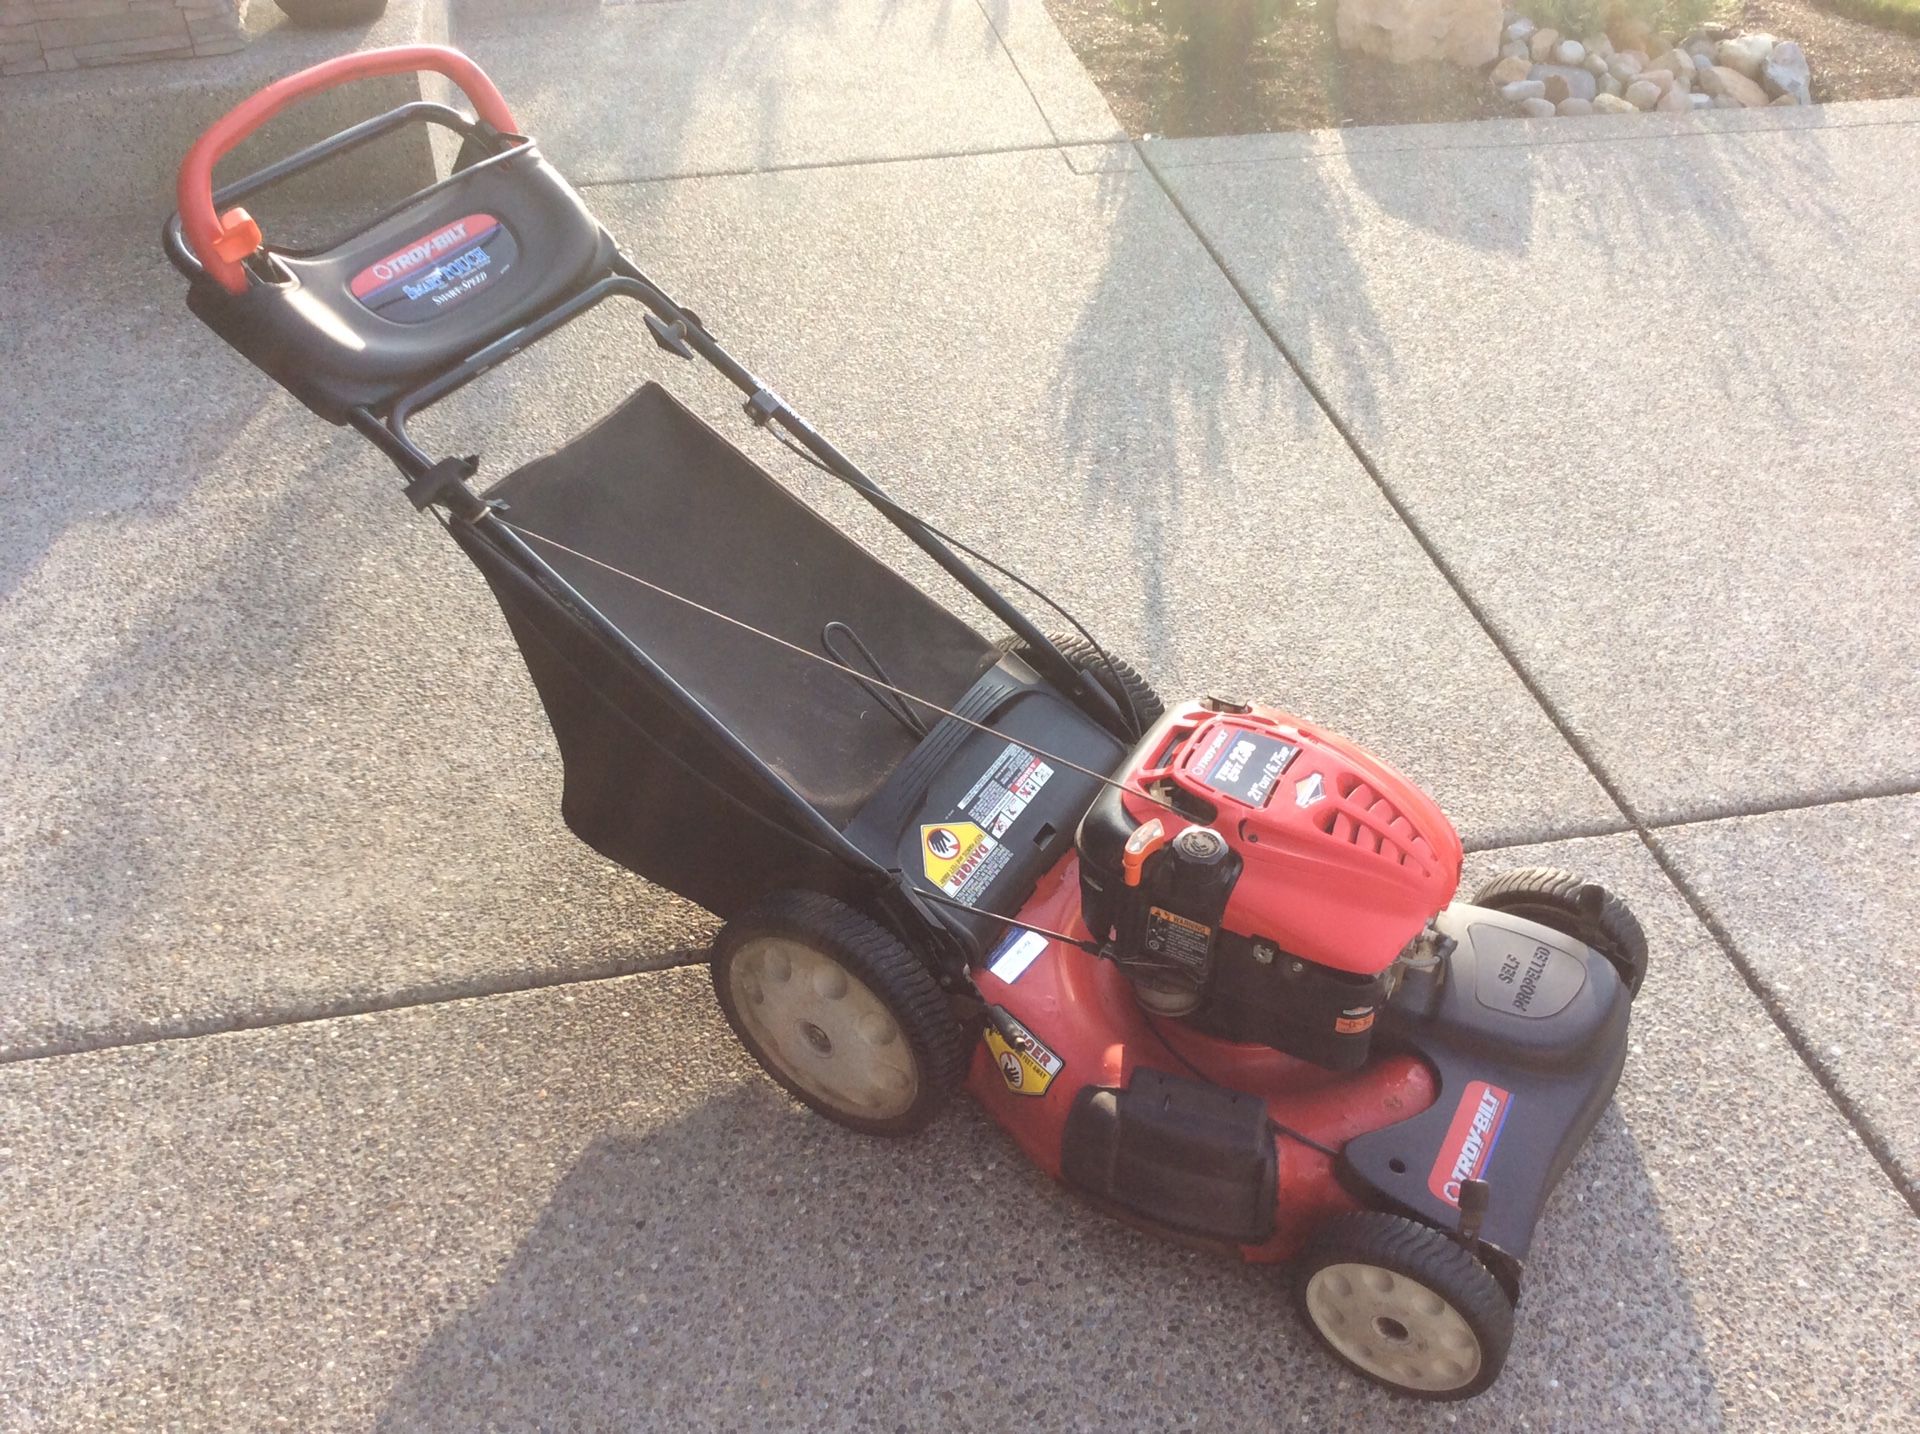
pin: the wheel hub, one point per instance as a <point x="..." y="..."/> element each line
<point x="1393" y="1327"/>
<point x="825" y="1030"/>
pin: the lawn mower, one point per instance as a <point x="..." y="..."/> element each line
<point x="1203" y="962"/>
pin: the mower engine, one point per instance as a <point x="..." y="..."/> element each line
<point x="1269" y="883"/>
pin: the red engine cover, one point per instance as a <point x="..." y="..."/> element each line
<point x="1345" y="859"/>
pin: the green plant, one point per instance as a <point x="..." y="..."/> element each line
<point x="1888" y="14"/>
<point x="1209" y="32"/>
<point x="1584" y="18"/>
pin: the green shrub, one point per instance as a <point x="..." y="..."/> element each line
<point x="1583" y="18"/>
<point x="1210" y="31"/>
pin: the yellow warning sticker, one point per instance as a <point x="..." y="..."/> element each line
<point x="960" y="858"/>
<point x="1026" y="1066"/>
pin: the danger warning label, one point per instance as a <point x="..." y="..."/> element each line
<point x="1027" y="1066"/>
<point x="964" y="854"/>
<point x="961" y="859"/>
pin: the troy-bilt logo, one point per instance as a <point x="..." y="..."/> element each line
<point x="422" y="250"/>
<point x="1475" y="1131"/>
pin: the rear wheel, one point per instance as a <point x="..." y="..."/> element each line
<point x="1576" y="907"/>
<point x="1121" y="680"/>
<point x="1406" y="1306"/>
<point x="837" y="1010"/>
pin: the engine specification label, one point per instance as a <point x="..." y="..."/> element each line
<point x="438" y="271"/>
<point x="1245" y="765"/>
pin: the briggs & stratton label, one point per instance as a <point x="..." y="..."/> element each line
<point x="438" y="271"/>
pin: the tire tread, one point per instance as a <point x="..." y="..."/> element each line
<point x="888" y="968"/>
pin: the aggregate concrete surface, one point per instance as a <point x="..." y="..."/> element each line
<point x="1821" y="902"/>
<point x="583" y="1209"/>
<point x="270" y="759"/>
<point x="740" y="85"/>
<point x="274" y="751"/>
<point x="1647" y="397"/>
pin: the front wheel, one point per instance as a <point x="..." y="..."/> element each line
<point x="837" y="1010"/>
<point x="1406" y="1306"/>
<point x="1576" y="907"/>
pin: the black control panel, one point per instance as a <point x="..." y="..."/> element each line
<point x="385" y="310"/>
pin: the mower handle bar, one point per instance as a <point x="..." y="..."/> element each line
<point x="221" y="242"/>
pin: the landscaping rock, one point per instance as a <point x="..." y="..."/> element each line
<point x="1609" y="86"/>
<point x="1516" y="50"/>
<point x="1510" y="69"/>
<point x="1612" y="105"/>
<point x="1564" y="81"/>
<point x="1542" y="43"/>
<point x="1595" y="65"/>
<point x="1785" y="100"/>
<point x="1643" y="94"/>
<point x="1677" y="62"/>
<point x="1521" y="29"/>
<point x="1467" y="32"/>
<point x="1675" y="101"/>
<point x="1745" y="53"/>
<point x="1538" y="109"/>
<point x="1574" y="105"/>
<point x="1725" y="102"/>
<point x="1719" y="80"/>
<point x="1785" y="73"/>
<point x="1518" y="90"/>
<point x="1626" y="67"/>
<point x="1600" y="45"/>
<point x="1699" y="101"/>
<point x="1569" y="52"/>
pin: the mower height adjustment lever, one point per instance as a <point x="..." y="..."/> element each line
<point x="1475" y="1195"/>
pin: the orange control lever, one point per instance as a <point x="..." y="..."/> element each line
<point x="214" y="238"/>
<point x="1145" y="841"/>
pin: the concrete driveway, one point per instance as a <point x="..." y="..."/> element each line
<point x="335" y="1089"/>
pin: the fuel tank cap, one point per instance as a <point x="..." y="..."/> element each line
<point x="1200" y="844"/>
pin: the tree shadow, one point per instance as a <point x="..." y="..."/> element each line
<point x="749" y="1265"/>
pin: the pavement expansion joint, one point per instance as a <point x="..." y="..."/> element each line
<point x="1875" y="1143"/>
<point x="805" y="166"/>
<point x="165" y="1033"/>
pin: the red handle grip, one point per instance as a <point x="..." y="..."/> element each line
<point x="220" y="243"/>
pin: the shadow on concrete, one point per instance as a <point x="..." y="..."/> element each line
<point x="225" y="806"/>
<point x="750" y="1266"/>
<point x="660" y="67"/>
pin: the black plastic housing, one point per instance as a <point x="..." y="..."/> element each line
<point x="1518" y="1019"/>
<point x="1261" y="994"/>
<point x="1196" y="1159"/>
<point x="299" y="321"/>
